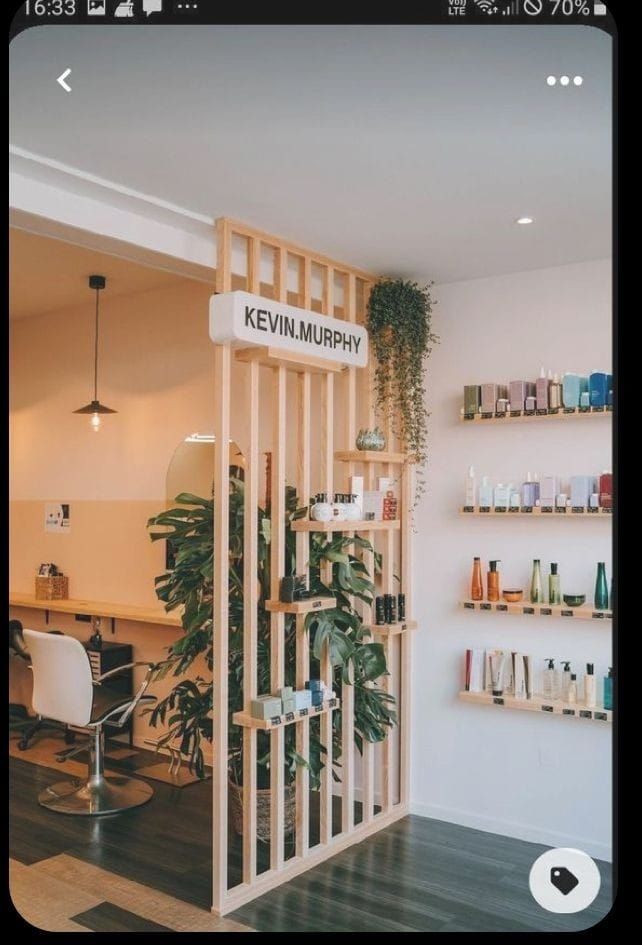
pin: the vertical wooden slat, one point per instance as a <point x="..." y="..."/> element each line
<point x="281" y="274"/>
<point x="253" y="265"/>
<point x="302" y="637"/>
<point x="223" y="358"/>
<point x="223" y="257"/>
<point x="327" y="443"/>
<point x="306" y="287"/>
<point x="277" y="626"/>
<point x="250" y="624"/>
<point x="387" y="581"/>
<point x="405" y="660"/>
<point x="328" y="291"/>
<point x="347" y="690"/>
<point x="368" y="775"/>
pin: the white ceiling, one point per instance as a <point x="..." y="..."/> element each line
<point x="404" y="150"/>
<point x="47" y="275"/>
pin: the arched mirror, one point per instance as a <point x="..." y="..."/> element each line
<point x="191" y="469"/>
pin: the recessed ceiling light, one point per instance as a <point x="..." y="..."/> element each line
<point x="578" y="80"/>
<point x="564" y="80"/>
<point x="524" y="221"/>
<point x="552" y="80"/>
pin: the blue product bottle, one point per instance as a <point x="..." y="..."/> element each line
<point x="609" y="390"/>
<point x="571" y="390"/>
<point x="598" y="389"/>
<point x="608" y="690"/>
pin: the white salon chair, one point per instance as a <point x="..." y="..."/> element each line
<point x="63" y="689"/>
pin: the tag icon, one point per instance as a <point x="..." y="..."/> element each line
<point x="563" y="880"/>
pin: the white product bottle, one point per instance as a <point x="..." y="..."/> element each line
<point x="549" y="680"/>
<point x="515" y="500"/>
<point x="471" y="489"/>
<point x="485" y="494"/>
<point x="321" y="511"/>
<point x="501" y="496"/>
<point x="566" y="680"/>
<point x="571" y="695"/>
<point x="589" y="686"/>
<point x="353" y="509"/>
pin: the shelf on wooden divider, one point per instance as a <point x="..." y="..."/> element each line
<point x="290" y="360"/>
<point x="536" y="512"/>
<point x="370" y="456"/>
<point x="526" y="609"/>
<point x="300" y="606"/>
<point x="248" y="721"/>
<point x="305" y="525"/>
<point x="538" y="703"/>
<point x="391" y="628"/>
<point x="560" y="413"/>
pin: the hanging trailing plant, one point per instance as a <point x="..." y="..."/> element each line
<point x="399" y="326"/>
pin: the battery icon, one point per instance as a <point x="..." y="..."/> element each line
<point x="599" y="9"/>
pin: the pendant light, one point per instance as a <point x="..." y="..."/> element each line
<point x="95" y="408"/>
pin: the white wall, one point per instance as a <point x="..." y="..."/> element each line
<point x="537" y="778"/>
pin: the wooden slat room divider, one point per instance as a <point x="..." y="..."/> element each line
<point x="376" y="787"/>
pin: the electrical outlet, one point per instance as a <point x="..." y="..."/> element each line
<point x="84" y="618"/>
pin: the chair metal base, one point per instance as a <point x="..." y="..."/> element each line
<point x="95" y="797"/>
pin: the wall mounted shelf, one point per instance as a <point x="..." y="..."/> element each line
<point x="561" y="413"/>
<point x="370" y="456"/>
<point x="542" y="705"/>
<point x="248" y="721"/>
<point x="305" y="525"/>
<point x="389" y="629"/>
<point x="94" y="608"/>
<point x="300" y="606"/>
<point x="525" y="609"/>
<point x="536" y="512"/>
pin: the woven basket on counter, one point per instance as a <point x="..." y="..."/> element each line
<point x="262" y="810"/>
<point x="52" y="588"/>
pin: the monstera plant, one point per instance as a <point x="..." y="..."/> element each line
<point x="185" y="712"/>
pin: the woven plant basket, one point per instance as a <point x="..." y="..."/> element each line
<point x="52" y="588"/>
<point x="263" y="797"/>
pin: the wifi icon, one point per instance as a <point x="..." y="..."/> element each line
<point x="484" y="5"/>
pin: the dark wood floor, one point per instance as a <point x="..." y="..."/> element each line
<point x="418" y="875"/>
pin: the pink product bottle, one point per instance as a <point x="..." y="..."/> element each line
<point x="541" y="391"/>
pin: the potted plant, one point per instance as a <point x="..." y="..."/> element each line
<point x="186" y="711"/>
<point x="399" y="328"/>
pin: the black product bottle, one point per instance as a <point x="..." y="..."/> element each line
<point x="401" y="607"/>
<point x="380" y="611"/>
<point x="392" y="609"/>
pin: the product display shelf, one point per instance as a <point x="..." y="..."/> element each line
<point x="300" y="606"/>
<point x="526" y="609"/>
<point x="248" y="721"/>
<point x="305" y="525"/>
<point x="515" y="416"/>
<point x="390" y="629"/>
<point x="371" y="456"/>
<point x="539" y="703"/>
<point x="536" y="512"/>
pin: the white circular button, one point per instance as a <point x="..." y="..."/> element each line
<point x="564" y="880"/>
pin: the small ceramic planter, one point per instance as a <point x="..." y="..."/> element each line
<point x="371" y="440"/>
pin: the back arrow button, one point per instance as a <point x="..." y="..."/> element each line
<point x="61" y="80"/>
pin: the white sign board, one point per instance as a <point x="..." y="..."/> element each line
<point x="243" y="318"/>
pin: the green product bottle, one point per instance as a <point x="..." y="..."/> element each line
<point x="601" y="588"/>
<point x="554" y="591"/>
<point x="537" y="595"/>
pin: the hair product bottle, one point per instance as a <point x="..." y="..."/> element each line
<point x="470" y="494"/>
<point x="566" y="679"/>
<point x="321" y="511"/>
<point x="537" y="595"/>
<point x="492" y="581"/>
<point x="601" y="588"/>
<point x="589" y="686"/>
<point x="485" y="494"/>
<point x="549" y="688"/>
<point x="608" y="689"/>
<point x="476" y="586"/>
<point x="571" y="695"/>
<point x="554" y="590"/>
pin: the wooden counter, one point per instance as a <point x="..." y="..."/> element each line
<point x="94" y="608"/>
